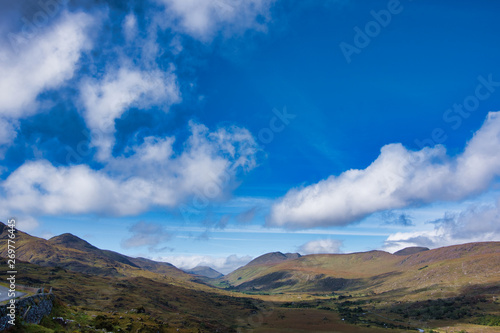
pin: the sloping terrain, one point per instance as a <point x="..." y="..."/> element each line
<point x="375" y="290"/>
<point x="410" y="250"/>
<point x="146" y="305"/>
<point x="444" y="270"/>
<point x="311" y="272"/>
<point x="205" y="271"/>
<point x="273" y="258"/>
<point x="70" y="252"/>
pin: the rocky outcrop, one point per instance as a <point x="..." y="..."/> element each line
<point x="29" y="309"/>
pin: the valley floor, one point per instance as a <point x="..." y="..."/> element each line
<point x="311" y="321"/>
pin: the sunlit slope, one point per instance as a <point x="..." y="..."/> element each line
<point x="70" y="252"/>
<point x="162" y="303"/>
<point x="444" y="269"/>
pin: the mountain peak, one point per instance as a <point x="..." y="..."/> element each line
<point x="273" y="257"/>
<point x="205" y="271"/>
<point x="411" y="250"/>
<point x="71" y="241"/>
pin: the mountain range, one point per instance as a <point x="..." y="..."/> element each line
<point x="410" y="271"/>
<point x="377" y="271"/>
<point x="204" y="271"/>
<point x="89" y="280"/>
<point x="73" y="253"/>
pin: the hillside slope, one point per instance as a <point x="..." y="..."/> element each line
<point x="445" y="270"/>
<point x="73" y="253"/>
<point x="273" y="258"/>
<point x="410" y="250"/>
<point x="205" y="271"/>
<point x="150" y="305"/>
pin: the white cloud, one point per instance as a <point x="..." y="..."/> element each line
<point x="41" y="188"/>
<point x="321" y="246"/>
<point x="130" y="27"/>
<point x="153" y="176"/>
<point x="397" y="178"/>
<point x="402" y="219"/>
<point x="203" y="19"/>
<point x="146" y="234"/>
<point x="7" y="131"/>
<point x="223" y="265"/>
<point x="106" y="100"/>
<point x="26" y="223"/>
<point x="478" y="223"/>
<point x="41" y="63"/>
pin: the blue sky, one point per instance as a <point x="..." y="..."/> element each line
<point x="213" y="131"/>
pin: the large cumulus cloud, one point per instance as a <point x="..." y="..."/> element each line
<point x="398" y="178"/>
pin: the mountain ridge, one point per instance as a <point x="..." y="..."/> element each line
<point x="70" y="252"/>
<point x="372" y="271"/>
<point x="204" y="271"/>
<point x="411" y="250"/>
<point x="273" y="257"/>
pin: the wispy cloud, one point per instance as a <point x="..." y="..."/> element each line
<point x="253" y="229"/>
<point x="146" y="234"/>
<point x="127" y="71"/>
<point x="477" y="223"/>
<point x="247" y="216"/>
<point x="204" y="19"/>
<point x="402" y="219"/>
<point x="106" y="99"/>
<point x="130" y="28"/>
<point x="397" y="178"/>
<point x="222" y="264"/>
<point x="153" y="176"/>
<point x="40" y="64"/>
<point x="321" y="246"/>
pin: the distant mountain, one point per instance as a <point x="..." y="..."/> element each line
<point x="445" y="280"/>
<point x="204" y="271"/>
<point x="71" y="241"/>
<point x="273" y="258"/>
<point x="411" y="250"/>
<point x="154" y="266"/>
<point x="446" y="270"/>
<point x="413" y="270"/>
<point x="70" y="252"/>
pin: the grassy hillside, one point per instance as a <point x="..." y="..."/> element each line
<point x="72" y="253"/>
<point x="443" y="271"/>
<point x="205" y="272"/>
<point x="123" y="300"/>
<point x="273" y="258"/>
<point x="446" y="289"/>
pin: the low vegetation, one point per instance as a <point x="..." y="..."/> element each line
<point x="456" y="288"/>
